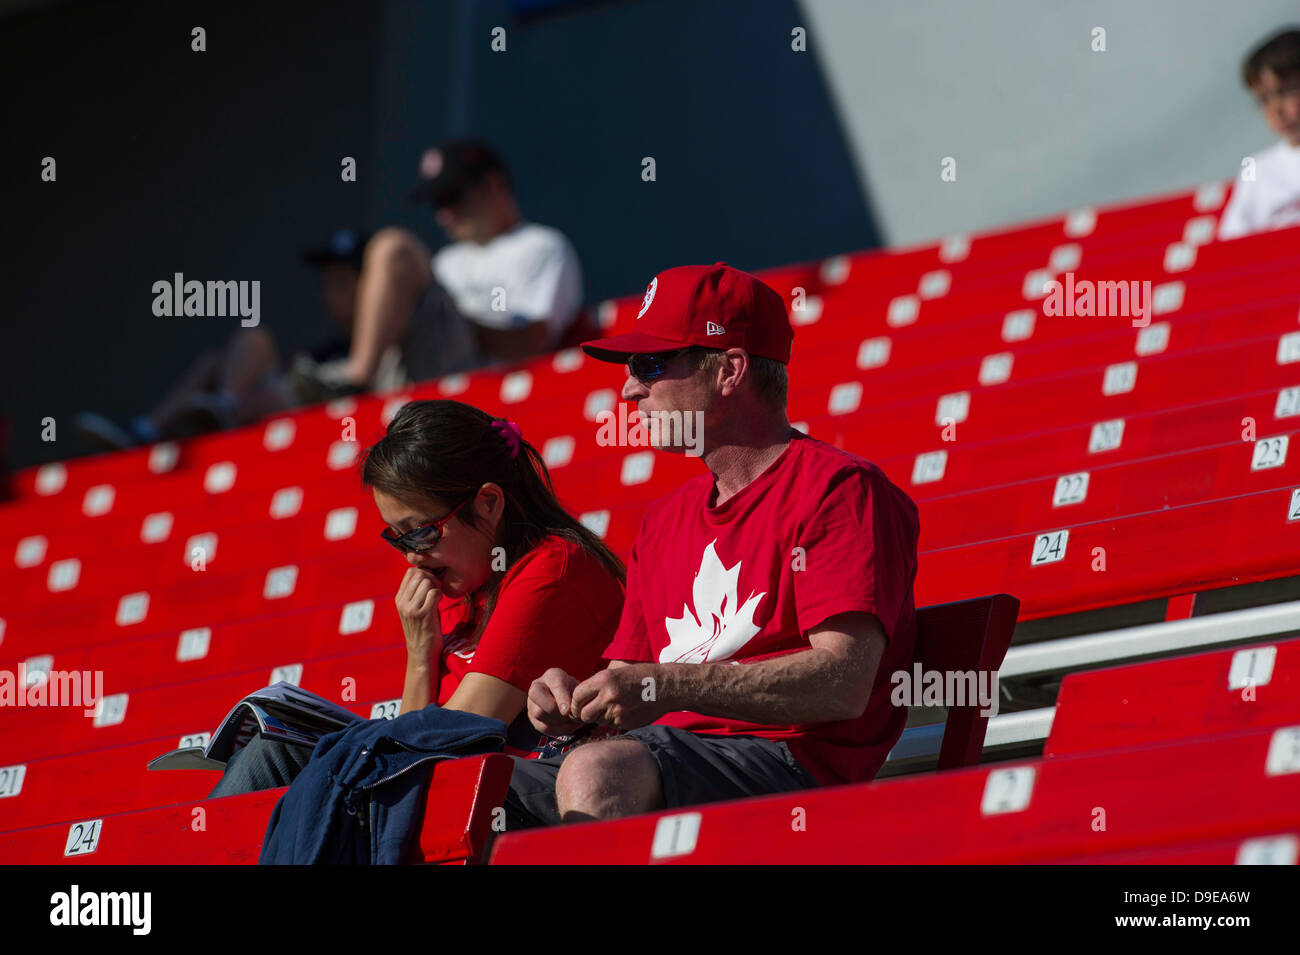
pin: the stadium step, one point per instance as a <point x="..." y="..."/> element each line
<point x="1202" y="695"/>
<point x="458" y="822"/>
<point x="186" y="709"/>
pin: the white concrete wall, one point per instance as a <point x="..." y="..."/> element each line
<point x="1037" y="122"/>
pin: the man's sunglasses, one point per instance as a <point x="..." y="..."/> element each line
<point x="422" y="538"/>
<point x="649" y="367"/>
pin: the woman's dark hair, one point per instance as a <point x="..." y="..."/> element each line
<point x="1279" y="53"/>
<point x="448" y="450"/>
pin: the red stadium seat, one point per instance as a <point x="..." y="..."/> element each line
<point x="971" y="636"/>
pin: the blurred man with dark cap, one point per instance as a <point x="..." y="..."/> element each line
<point x="502" y="290"/>
<point x="243" y="381"/>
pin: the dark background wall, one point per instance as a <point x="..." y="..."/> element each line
<point x="224" y="164"/>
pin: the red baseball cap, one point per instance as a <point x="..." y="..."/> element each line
<point x="713" y="306"/>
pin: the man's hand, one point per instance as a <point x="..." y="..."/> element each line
<point x="624" y="697"/>
<point x="549" y="701"/>
<point x="417" y="606"/>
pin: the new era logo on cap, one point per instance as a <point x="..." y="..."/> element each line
<point x="714" y="306"/>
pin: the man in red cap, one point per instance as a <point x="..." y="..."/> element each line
<point x="768" y="600"/>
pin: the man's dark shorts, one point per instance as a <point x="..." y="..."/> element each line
<point x="694" y="768"/>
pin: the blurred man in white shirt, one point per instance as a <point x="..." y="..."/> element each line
<point x="1267" y="191"/>
<point x="503" y="290"/>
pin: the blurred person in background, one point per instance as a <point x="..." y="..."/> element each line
<point x="244" y="380"/>
<point x="504" y="289"/>
<point x="1267" y="191"/>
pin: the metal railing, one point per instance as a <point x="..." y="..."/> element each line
<point x="919" y="745"/>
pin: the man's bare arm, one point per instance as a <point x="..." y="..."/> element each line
<point x="830" y="681"/>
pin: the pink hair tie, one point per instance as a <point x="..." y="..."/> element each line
<point x="510" y="432"/>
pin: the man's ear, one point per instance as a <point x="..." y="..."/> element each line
<point x="734" y="368"/>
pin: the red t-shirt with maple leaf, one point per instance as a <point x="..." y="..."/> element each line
<point x="820" y="532"/>
<point x="556" y="607"/>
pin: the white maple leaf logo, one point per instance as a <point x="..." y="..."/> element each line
<point x="719" y="626"/>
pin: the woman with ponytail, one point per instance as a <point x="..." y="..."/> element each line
<point x="502" y="583"/>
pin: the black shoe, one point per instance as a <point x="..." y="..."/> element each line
<point x="201" y="414"/>
<point x="312" y="384"/>
<point x="103" y="433"/>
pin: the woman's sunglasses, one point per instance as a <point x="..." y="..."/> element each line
<point x="422" y="538"/>
<point x="649" y="367"/>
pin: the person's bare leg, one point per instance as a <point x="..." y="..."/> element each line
<point x="199" y="378"/>
<point x="394" y="274"/>
<point x="249" y="355"/>
<point x="262" y="400"/>
<point x="608" y="779"/>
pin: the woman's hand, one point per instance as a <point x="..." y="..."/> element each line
<point x="417" y="607"/>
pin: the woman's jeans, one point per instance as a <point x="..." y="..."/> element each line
<point x="262" y="764"/>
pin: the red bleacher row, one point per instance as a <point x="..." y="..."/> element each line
<point x="580" y="463"/>
<point x="848" y="267"/>
<point x="597" y="516"/>
<point x="1109" y="467"/>
<point x="181" y="708"/>
<point x="31" y="551"/>
<point x="457" y="824"/>
<point x="959" y="636"/>
<point x="114" y="748"/>
<point x="1118" y="487"/>
<point x="829" y="398"/>
<point x="636" y="468"/>
<point x="1173" y="217"/>
<point x="1058" y="569"/>
<point x="1201" y="751"/>
<point x="26" y="546"/>
<point x="1029" y="812"/>
<point x="1125" y="793"/>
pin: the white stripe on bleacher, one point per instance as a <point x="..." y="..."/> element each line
<point x="1019" y="727"/>
<point x="1151" y="640"/>
<point x="1055" y="657"/>
<point x="920" y="742"/>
